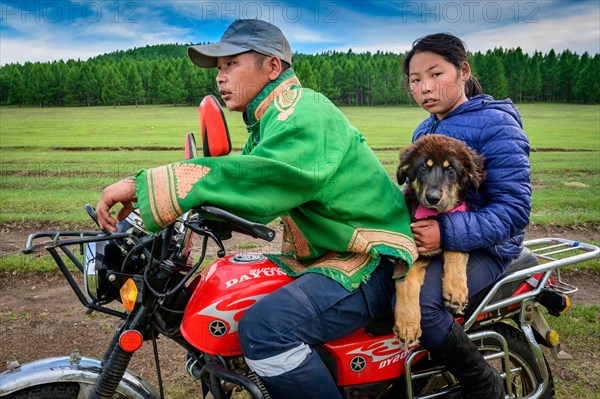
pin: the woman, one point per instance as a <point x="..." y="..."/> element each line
<point x="492" y="231"/>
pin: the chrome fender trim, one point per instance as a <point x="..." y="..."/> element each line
<point x="84" y="370"/>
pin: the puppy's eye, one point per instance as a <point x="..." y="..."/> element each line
<point x="450" y="170"/>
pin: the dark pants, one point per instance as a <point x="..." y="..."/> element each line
<point x="277" y="333"/>
<point x="482" y="271"/>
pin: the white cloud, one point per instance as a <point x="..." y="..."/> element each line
<point x="558" y="25"/>
<point x="576" y="28"/>
<point x="23" y="50"/>
<point x="578" y="33"/>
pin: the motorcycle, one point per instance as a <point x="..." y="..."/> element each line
<point x="165" y="291"/>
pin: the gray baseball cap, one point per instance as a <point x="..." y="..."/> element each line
<point x="241" y="36"/>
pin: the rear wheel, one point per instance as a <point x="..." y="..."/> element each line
<point x="525" y="375"/>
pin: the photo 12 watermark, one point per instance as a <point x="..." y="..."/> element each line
<point x="271" y="11"/>
<point x="468" y="11"/>
<point x="69" y="12"/>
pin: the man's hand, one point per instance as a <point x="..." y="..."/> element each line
<point x="121" y="192"/>
<point x="427" y="235"/>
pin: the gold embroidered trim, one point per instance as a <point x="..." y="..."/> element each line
<point x="187" y="175"/>
<point x="293" y="239"/>
<point x="264" y="104"/>
<point x="163" y="203"/>
<point x="286" y="102"/>
<point x="364" y="239"/>
<point x="345" y="263"/>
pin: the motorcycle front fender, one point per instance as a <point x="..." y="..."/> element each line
<point x="83" y="370"/>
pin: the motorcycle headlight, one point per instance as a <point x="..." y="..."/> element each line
<point x="99" y="259"/>
<point x="90" y="276"/>
<point x="104" y="258"/>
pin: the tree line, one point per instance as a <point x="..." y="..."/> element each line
<point x="162" y="74"/>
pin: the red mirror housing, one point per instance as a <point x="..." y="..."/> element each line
<point x="215" y="134"/>
<point x="191" y="151"/>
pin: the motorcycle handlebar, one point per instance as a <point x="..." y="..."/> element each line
<point x="255" y="230"/>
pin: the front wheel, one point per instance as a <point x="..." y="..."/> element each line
<point x="69" y="378"/>
<point x="56" y="390"/>
<point x="48" y="391"/>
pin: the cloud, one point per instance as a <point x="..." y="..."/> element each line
<point x="533" y="26"/>
<point x="45" y="31"/>
<point x="37" y="36"/>
<point x="578" y="33"/>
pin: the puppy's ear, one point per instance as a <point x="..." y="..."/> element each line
<point x="476" y="169"/>
<point x="405" y="163"/>
<point x="402" y="173"/>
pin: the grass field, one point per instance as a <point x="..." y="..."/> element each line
<point x="43" y="180"/>
<point x="54" y="160"/>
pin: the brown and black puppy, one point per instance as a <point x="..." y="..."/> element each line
<point x="439" y="170"/>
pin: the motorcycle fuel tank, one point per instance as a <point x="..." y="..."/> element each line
<point x="222" y="294"/>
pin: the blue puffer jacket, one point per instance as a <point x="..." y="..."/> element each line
<point x="499" y="210"/>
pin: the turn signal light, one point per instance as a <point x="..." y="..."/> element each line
<point x="568" y="304"/>
<point x="552" y="338"/>
<point x="128" y="293"/>
<point x="555" y="301"/>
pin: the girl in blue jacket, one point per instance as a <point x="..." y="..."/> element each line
<point x="492" y="231"/>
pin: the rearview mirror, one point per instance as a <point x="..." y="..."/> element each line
<point x="213" y="126"/>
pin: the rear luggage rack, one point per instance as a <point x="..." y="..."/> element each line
<point x="554" y="249"/>
<point x="552" y="253"/>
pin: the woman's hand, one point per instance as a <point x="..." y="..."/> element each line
<point x="121" y="192"/>
<point x="427" y="235"/>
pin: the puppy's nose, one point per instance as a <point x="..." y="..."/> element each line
<point x="433" y="197"/>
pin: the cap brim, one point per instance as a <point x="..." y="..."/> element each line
<point x="205" y="55"/>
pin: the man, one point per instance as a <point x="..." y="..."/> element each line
<point x="345" y="222"/>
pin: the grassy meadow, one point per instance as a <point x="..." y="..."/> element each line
<point x="54" y="160"/>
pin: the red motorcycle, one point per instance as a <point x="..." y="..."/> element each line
<point x="156" y="280"/>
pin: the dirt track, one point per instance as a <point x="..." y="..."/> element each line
<point x="41" y="317"/>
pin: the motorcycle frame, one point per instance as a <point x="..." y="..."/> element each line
<point x="527" y="323"/>
<point x="529" y="318"/>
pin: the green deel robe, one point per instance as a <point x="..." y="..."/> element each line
<point x="303" y="162"/>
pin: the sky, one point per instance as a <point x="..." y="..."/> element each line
<point x="54" y="30"/>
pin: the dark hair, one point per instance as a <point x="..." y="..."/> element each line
<point x="259" y="59"/>
<point x="450" y="48"/>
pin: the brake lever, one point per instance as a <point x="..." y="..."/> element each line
<point x="192" y="225"/>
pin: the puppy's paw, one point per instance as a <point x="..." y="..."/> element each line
<point x="455" y="308"/>
<point x="455" y="296"/>
<point x="407" y="328"/>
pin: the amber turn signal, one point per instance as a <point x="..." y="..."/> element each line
<point x="128" y="293"/>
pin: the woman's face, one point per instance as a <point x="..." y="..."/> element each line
<point x="436" y="84"/>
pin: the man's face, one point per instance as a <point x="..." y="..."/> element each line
<point x="240" y="79"/>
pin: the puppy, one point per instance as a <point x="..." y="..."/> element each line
<point x="440" y="170"/>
